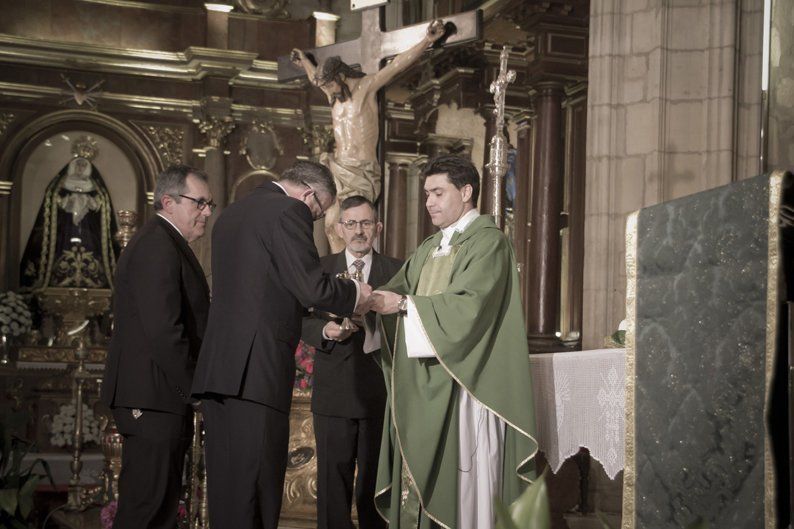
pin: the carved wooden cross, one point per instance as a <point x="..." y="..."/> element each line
<point x="376" y="44"/>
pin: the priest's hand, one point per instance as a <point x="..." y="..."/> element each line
<point x="335" y="332"/>
<point x="364" y="299"/>
<point x="385" y="302"/>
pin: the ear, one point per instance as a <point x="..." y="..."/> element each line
<point x="378" y="229"/>
<point x="466" y="192"/>
<point x="168" y="203"/>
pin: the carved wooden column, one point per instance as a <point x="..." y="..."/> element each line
<point x="8" y="265"/>
<point x="216" y="124"/>
<point x="486" y="191"/>
<point x="523" y="201"/>
<point x="543" y="278"/>
<point x="396" y="208"/>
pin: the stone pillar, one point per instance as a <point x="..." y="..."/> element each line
<point x="543" y="279"/>
<point x="394" y="236"/>
<point x="673" y="93"/>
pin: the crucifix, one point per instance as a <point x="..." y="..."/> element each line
<point x="497" y="159"/>
<point x="376" y="44"/>
<point x="353" y="94"/>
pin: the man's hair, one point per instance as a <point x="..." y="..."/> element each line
<point x="173" y="181"/>
<point x="354" y="202"/>
<point x="313" y="174"/>
<point x="460" y="172"/>
<point x="331" y="68"/>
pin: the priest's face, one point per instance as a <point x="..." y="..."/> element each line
<point x="446" y="203"/>
<point x="359" y="228"/>
<point x="187" y="215"/>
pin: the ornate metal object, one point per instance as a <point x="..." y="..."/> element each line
<point x="497" y="164"/>
<point x="80" y="497"/>
<point x="127" y="220"/>
<point x="72" y="306"/>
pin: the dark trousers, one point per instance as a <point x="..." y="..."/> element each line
<point x="246" y="452"/>
<point x="152" y="459"/>
<point x="343" y="444"/>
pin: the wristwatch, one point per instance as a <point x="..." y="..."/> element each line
<point x="402" y="305"/>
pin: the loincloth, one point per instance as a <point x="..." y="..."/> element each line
<point x="353" y="177"/>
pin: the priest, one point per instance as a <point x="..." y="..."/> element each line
<point x="459" y="424"/>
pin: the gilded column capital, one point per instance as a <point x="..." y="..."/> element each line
<point x="215" y="129"/>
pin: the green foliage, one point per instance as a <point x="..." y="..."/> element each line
<point x="619" y="337"/>
<point x="529" y="511"/>
<point x="17" y="483"/>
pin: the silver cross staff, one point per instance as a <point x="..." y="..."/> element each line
<point x="497" y="158"/>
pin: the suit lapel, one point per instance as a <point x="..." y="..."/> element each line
<point x="187" y="252"/>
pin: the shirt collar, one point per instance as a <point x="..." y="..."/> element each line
<point x="171" y="223"/>
<point x="282" y="188"/>
<point x="349" y="258"/>
<point x="458" y="226"/>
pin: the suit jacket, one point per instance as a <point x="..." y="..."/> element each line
<point x="348" y="382"/>
<point x="265" y="270"/>
<point x="160" y="307"/>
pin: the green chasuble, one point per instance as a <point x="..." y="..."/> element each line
<point x="469" y="304"/>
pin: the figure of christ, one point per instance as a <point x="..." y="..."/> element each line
<point x="354" y="113"/>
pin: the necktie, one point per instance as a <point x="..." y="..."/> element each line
<point x="359" y="266"/>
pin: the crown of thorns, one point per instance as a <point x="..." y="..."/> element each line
<point x="331" y="68"/>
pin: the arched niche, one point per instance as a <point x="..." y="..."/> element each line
<point x="247" y="182"/>
<point x="129" y="169"/>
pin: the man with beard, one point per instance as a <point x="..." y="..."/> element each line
<point x="348" y="394"/>
<point x="354" y="113"/>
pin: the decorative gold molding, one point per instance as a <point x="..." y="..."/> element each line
<point x="6" y="118"/>
<point x="772" y="303"/>
<point x="169" y="142"/>
<point x="6" y="187"/>
<point x="192" y="64"/>
<point x="629" y="465"/>
<point x="148" y="6"/>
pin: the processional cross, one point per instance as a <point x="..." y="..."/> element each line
<point x="376" y="44"/>
<point x="497" y="159"/>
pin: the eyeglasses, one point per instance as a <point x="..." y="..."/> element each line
<point x="201" y="203"/>
<point x="351" y="224"/>
<point x="317" y="200"/>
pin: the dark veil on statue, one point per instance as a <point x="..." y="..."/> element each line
<point x="71" y="244"/>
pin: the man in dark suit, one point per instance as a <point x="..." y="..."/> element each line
<point x="348" y="394"/>
<point x="160" y="307"/>
<point x="265" y="272"/>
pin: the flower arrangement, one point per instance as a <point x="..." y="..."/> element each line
<point x="15" y="316"/>
<point x="304" y="366"/>
<point x="62" y="427"/>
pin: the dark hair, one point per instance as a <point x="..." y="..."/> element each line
<point x="331" y="68"/>
<point x="313" y="174"/>
<point x="354" y="202"/>
<point x="459" y="171"/>
<point x="172" y="181"/>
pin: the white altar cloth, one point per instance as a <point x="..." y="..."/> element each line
<point x="580" y="402"/>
